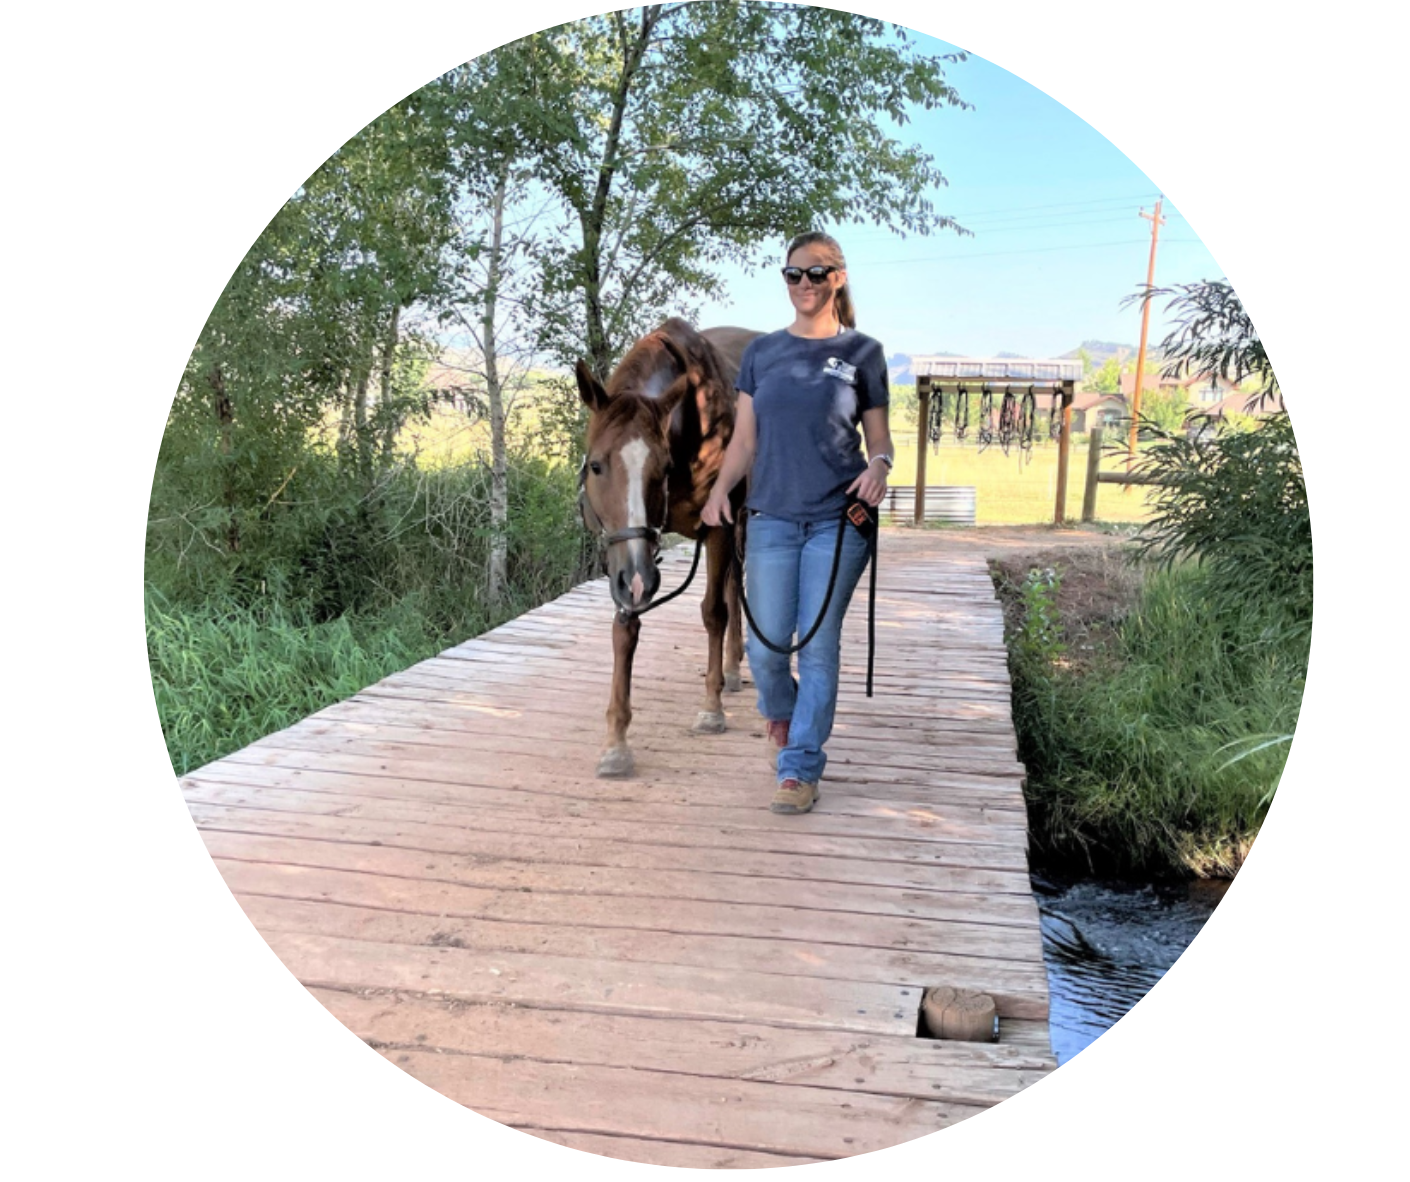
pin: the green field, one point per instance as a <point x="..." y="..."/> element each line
<point x="1017" y="490"/>
<point x="1011" y="489"/>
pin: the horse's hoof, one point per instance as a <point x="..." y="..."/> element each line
<point x="709" y="722"/>
<point x="733" y="683"/>
<point x="616" y="761"/>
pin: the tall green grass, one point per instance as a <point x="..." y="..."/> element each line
<point x="334" y="586"/>
<point x="227" y="673"/>
<point x="1162" y="749"/>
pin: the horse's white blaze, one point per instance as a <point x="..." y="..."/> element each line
<point x="634" y="458"/>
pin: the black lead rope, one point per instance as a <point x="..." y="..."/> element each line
<point x="856" y="511"/>
<point x="655" y="603"/>
<point x="864" y="518"/>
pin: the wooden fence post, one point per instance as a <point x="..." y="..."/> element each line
<point x="1060" y="509"/>
<point x="1094" y="467"/>
<point x="922" y="438"/>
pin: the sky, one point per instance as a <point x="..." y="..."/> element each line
<point x="1058" y="237"/>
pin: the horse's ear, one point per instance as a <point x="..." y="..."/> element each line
<point x="673" y="395"/>
<point x="590" y="390"/>
<point x="681" y="393"/>
<point x="678" y="353"/>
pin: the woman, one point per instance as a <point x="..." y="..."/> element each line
<point x="802" y="392"/>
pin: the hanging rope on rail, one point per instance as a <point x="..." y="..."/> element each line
<point x="986" y="418"/>
<point x="961" y="413"/>
<point x="1008" y="420"/>
<point x="1027" y="412"/>
<point x="1055" y="415"/>
<point x="936" y="427"/>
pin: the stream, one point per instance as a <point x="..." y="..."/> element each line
<point x="1106" y="943"/>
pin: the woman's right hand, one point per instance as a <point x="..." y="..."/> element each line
<point x="717" y="507"/>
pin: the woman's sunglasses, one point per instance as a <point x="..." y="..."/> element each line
<point x="793" y="276"/>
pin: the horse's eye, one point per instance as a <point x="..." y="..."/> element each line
<point x="595" y="468"/>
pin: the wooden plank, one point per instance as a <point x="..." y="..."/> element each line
<point x="597" y="934"/>
<point x="407" y="881"/>
<point x="552" y="711"/>
<point x="883" y="748"/>
<point x="745" y="786"/>
<point x="979" y="716"/>
<point x="1002" y="897"/>
<point x="928" y="1069"/>
<point x="864" y="816"/>
<point x="759" y="1117"/>
<point x="428" y="755"/>
<point x="688" y="1154"/>
<point x="598" y="986"/>
<point x="717" y="771"/>
<point x="922" y="865"/>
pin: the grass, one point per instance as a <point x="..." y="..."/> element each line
<point x="1018" y="490"/>
<point x="1153" y="742"/>
<point x="227" y="673"/>
<point x="1011" y="489"/>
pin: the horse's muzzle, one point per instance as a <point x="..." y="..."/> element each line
<point x="633" y="583"/>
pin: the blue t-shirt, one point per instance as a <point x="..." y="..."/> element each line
<point x="809" y="395"/>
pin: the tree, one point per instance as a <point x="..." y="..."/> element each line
<point x="1165" y="410"/>
<point x="1236" y="500"/>
<point x="1106" y="379"/>
<point x="505" y="115"/>
<point x="1214" y="336"/>
<point x="707" y="132"/>
<point x="308" y="328"/>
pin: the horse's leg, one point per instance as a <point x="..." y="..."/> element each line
<point x="616" y="759"/>
<point x="734" y="628"/>
<point x="714" y="613"/>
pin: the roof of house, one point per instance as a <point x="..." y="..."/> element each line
<point x="1087" y="399"/>
<point x="1161" y="382"/>
<point x="1241" y="402"/>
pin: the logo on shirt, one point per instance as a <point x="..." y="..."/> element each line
<point x="837" y="368"/>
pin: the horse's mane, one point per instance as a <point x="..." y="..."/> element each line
<point x="651" y="365"/>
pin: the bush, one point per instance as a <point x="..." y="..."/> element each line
<point x="1236" y="504"/>
<point x="1157" y="752"/>
<point x="335" y="586"/>
<point x="226" y="673"/>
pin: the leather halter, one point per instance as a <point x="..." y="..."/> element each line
<point x="631" y="533"/>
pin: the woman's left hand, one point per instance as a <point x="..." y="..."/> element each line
<point x="871" y="484"/>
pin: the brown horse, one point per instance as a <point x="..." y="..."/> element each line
<point x="655" y="442"/>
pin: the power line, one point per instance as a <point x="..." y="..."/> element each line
<point x="1022" y="213"/>
<point x="993" y="254"/>
<point x="1065" y="209"/>
<point x="1109" y="218"/>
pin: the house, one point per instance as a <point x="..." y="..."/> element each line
<point x="1202" y="391"/>
<point x="1091" y="408"/>
<point x="455" y="378"/>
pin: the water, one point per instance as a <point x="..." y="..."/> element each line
<point x="1107" y="943"/>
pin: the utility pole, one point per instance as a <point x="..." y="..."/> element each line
<point x="1156" y="222"/>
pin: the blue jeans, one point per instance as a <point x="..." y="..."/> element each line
<point x="786" y="569"/>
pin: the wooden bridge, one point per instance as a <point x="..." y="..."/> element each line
<point x="659" y="969"/>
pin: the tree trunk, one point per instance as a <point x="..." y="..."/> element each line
<point x="593" y="219"/>
<point x="499" y="465"/>
<point x="360" y="441"/>
<point x="225" y="419"/>
<point x="391" y="423"/>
